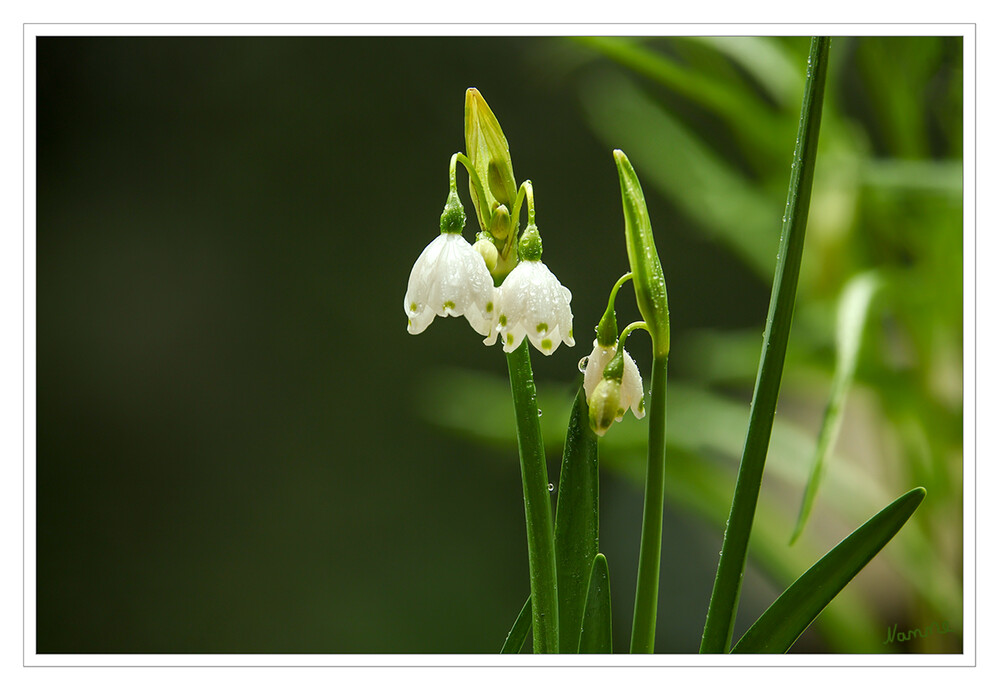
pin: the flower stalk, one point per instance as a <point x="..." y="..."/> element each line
<point x="650" y="293"/>
<point x="537" y="503"/>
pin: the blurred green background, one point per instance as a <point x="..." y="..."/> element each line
<point x="240" y="449"/>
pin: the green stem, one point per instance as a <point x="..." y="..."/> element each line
<point x="472" y="175"/>
<point x="732" y="563"/>
<point x="526" y="191"/>
<point x="537" y="503"/>
<point x="643" y="631"/>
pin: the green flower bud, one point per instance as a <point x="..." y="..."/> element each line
<point x="487" y="149"/>
<point x="488" y="251"/>
<point x="501" y="223"/>
<point x="650" y="284"/>
<point x="605" y="405"/>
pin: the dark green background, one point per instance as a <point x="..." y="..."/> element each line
<point x="229" y="458"/>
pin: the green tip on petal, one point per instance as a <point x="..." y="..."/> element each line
<point x="453" y="217"/>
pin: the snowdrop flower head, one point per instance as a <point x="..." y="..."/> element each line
<point x="533" y="303"/>
<point x="450" y="278"/>
<point x="631" y="391"/>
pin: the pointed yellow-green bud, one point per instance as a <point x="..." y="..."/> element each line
<point x="488" y="250"/>
<point x="647" y="271"/>
<point x="487" y="149"/>
<point x="501" y="223"/>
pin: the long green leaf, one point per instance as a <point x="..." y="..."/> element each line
<point x="577" y="521"/>
<point x="517" y="636"/>
<point x="735" y="546"/>
<point x="794" y="610"/>
<point x="596" y="635"/>
<point x="852" y="317"/>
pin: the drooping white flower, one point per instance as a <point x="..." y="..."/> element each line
<point x="632" y="394"/>
<point x="451" y="279"/>
<point x="533" y="303"/>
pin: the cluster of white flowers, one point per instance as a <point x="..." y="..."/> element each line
<point x="450" y="278"/>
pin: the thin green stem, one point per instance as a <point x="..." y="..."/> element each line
<point x="607" y="326"/>
<point x="526" y="191"/>
<point x="735" y="546"/>
<point x="537" y="503"/>
<point x="617" y="286"/>
<point x="631" y="328"/>
<point x="472" y="175"/>
<point x="643" y="631"/>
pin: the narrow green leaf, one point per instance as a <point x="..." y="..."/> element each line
<point x="595" y="634"/>
<point x="517" y="636"/>
<point x="740" y="106"/>
<point x="852" y="316"/>
<point x="577" y="521"/>
<point x="794" y="610"/>
<point x="764" y="58"/>
<point x="735" y="546"/>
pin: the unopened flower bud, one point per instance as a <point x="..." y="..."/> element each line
<point x="605" y="406"/>
<point x="488" y="250"/>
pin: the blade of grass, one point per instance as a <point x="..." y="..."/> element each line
<point x="595" y="634"/>
<point x="794" y="610"/>
<point x="742" y="108"/>
<point x="517" y="636"/>
<point x="732" y="563"/>
<point x="577" y="521"/>
<point x="850" y="321"/>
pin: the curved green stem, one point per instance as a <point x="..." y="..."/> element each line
<point x="472" y="175"/>
<point x="526" y="191"/>
<point x="607" y="326"/>
<point x="537" y="503"/>
<point x="631" y="328"/>
<point x="643" y="631"/>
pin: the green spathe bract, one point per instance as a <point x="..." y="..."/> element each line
<point x="489" y="153"/>
<point x="647" y="271"/>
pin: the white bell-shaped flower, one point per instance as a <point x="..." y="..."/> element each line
<point x="450" y="278"/>
<point x="533" y="303"/>
<point x="632" y="393"/>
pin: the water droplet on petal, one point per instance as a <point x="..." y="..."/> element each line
<point x="583" y="362"/>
